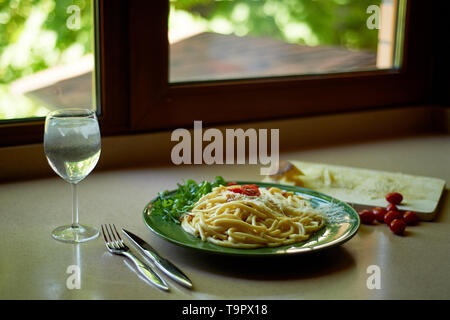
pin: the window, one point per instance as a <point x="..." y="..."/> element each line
<point x="85" y="65"/>
<point x="46" y="57"/>
<point x="144" y="87"/>
<point x="217" y="40"/>
<point x="243" y="99"/>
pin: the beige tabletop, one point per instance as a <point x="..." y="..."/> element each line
<point x="34" y="266"/>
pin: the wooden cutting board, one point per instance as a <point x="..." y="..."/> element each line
<point x="364" y="188"/>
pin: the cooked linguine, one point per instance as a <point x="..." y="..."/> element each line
<point x="251" y="217"/>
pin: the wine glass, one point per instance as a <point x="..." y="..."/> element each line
<point x="72" y="147"/>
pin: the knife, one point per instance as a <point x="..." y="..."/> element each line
<point x="165" y="265"/>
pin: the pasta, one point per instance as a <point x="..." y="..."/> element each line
<point x="252" y="217"/>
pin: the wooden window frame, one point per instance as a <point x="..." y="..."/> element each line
<point x="135" y="94"/>
<point x="111" y="81"/>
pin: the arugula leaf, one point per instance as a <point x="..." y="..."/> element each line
<point x="173" y="205"/>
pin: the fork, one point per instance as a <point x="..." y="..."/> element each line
<point x="115" y="245"/>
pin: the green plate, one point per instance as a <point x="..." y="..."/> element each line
<point x="342" y="225"/>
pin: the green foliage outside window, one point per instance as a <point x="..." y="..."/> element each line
<point x="34" y="34"/>
<point x="311" y="22"/>
<point x="33" y="37"/>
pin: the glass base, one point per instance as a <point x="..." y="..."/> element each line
<point x="75" y="233"/>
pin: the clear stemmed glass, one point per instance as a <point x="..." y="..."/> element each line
<point x="72" y="146"/>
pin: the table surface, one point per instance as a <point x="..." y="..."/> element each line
<point x="34" y="266"/>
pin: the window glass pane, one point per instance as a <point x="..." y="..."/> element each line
<point x="233" y="39"/>
<point x="46" y="56"/>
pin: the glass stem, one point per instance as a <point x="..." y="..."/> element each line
<point x="74" y="206"/>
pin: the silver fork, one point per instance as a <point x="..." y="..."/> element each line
<point x="115" y="245"/>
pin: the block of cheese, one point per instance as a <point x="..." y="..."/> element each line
<point x="366" y="187"/>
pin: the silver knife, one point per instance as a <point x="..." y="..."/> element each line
<point x="165" y="265"/>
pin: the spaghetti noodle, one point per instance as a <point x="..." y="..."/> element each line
<point x="251" y="217"/>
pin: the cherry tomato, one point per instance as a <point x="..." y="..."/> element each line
<point x="379" y="213"/>
<point x="391" y="207"/>
<point x="366" y="216"/>
<point x="394" y="197"/>
<point x="397" y="226"/>
<point x="410" y="217"/>
<point x="250" y="190"/>
<point x="236" y="190"/>
<point x="392" y="215"/>
<point x="250" y="186"/>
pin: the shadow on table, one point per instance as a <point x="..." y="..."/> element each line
<point x="305" y="266"/>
